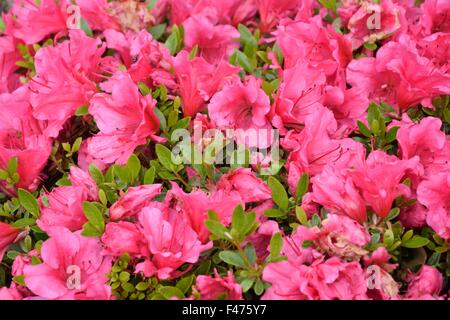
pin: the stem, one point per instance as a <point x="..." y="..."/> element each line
<point x="179" y="177"/>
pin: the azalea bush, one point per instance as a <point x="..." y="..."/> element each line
<point x="233" y="149"/>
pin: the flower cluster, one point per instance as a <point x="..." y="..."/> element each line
<point x="339" y="187"/>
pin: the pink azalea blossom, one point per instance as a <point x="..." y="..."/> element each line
<point x="64" y="78"/>
<point x="214" y="42"/>
<point x="146" y="59"/>
<point x="133" y="201"/>
<point x="8" y="235"/>
<point x="434" y="193"/>
<point x="98" y="14"/>
<point x="9" y="55"/>
<point x="313" y="44"/>
<point x="123" y="237"/>
<point x="172" y="242"/>
<point x="125" y="119"/>
<point x="64" y="209"/>
<point x="212" y="288"/>
<point x="250" y="188"/>
<point x="271" y="12"/>
<point x="64" y="255"/>
<point x="245" y="107"/>
<point x="35" y="21"/>
<point x="379" y="179"/>
<point x="373" y="21"/>
<point x="427" y="282"/>
<point x="331" y="279"/>
<point x="195" y="84"/>
<point x="398" y="76"/>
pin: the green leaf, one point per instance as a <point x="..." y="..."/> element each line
<point x="123" y="173"/>
<point x="86" y="28"/>
<point x="274" y="213"/>
<point x="151" y="4"/>
<point x="185" y="283"/>
<point x="238" y="219"/>
<point x="246" y="36"/>
<point x="388" y="238"/>
<point x="90" y="231"/>
<point x="3" y="174"/>
<point x="391" y="135"/>
<point x="393" y="214"/>
<point x="2" y="25"/>
<point x="407" y="235"/>
<point x="279" y="195"/>
<point x="158" y="30"/>
<point x="29" y="202"/>
<point x="165" y="157"/>
<point x="259" y="287"/>
<point x="218" y="229"/>
<point x="169" y="292"/>
<point x="276" y="243"/>
<point x="370" y="46"/>
<point x="82" y="111"/>
<point x="12" y="165"/>
<point x="233" y="258"/>
<point x="301" y="215"/>
<point x="246" y="284"/>
<point x="250" y="253"/>
<point x="134" y="166"/>
<point x="144" y="89"/>
<point x="193" y="53"/>
<point x="96" y="173"/>
<point x="24" y="222"/>
<point x="415" y="242"/>
<point x="94" y="216"/>
<point x="302" y="186"/>
<point x="149" y="176"/>
<point x="363" y="129"/>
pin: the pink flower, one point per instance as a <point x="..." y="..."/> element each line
<point x="398" y="76"/>
<point x="435" y="16"/>
<point x="80" y="178"/>
<point x="414" y="216"/>
<point x="195" y="84"/>
<point x="311" y="43"/>
<point x="172" y="242"/>
<point x="341" y="236"/>
<point x="125" y="119"/>
<point x="244" y="181"/>
<point x="64" y="256"/>
<point x="425" y="140"/>
<point x="133" y="201"/>
<point x="373" y="21"/>
<point x="428" y="282"/>
<point x="10" y="293"/>
<point x="8" y="235"/>
<point x="146" y="59"/>
<point x="64" y="79"/>
<point x="21" y="136"/>
<point x="9" y="55"/>
<point x="121" y="237"/>
<point x="315" y="146"/>
<point x="213" y="288"/>
<point x="194" y="207"/>
<point x="331" y="279"/>
<point x="215" y="42"/>
<point x="64" y="209"/>
<point x="98" y="14"/>
<point x="261" y="239"/>
<point x="434" y="47"/>
<point x="379" y="179"/>
<point x="245" y="107"/>
<point x="298" y="96"/>
<point x="35" y="21"/>
<point x="271" y="12"/>
<point x="336" y="191"/>
<point x="434" y="193"/>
